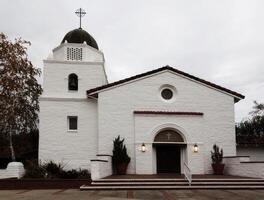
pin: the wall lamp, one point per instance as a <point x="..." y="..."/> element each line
<point x="143" y="147"/>
<point x="195" y="148"/>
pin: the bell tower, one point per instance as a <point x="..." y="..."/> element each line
<point x="68" y="119"/>
<point x="77" y="54"/>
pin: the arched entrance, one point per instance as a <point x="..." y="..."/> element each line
<point x="169" y="145"/>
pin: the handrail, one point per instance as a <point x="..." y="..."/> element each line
<point x="187" y="173"/>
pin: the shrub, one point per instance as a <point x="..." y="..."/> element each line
<point x="53" y="170"/>
<point x="217" y="155"/>
<point x="33" y="170"/>
<point x="71" y="174"/>
<point x="120" y="155"/>
<point x="84" y="174"/>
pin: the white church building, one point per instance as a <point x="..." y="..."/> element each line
<point x="176" y="116"/>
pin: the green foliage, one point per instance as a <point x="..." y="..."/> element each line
<point x="84" y="174"/>
<point x="19" y="90"/>
<point x="251" y="131"/>
<point x="75" y="174"/>
<point x="252" y="127"/>
<point x="52" y="170"/>
<point x="258" y="109"/>
<point x="33" y="170"/>
<point x="71" y="174"/>
<point x="25" y="146"/>
<point x="217" y="155"/>
<point x="120" y="155"/>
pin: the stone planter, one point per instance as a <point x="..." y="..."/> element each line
<point x="218" y="168"/>
<point x="121" y="168"/>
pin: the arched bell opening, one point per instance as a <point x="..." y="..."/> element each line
<point x="73" y="82"/>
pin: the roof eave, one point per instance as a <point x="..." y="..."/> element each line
<point x="237" y="96"/>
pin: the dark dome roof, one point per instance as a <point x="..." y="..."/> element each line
<point x="79" y="36"/>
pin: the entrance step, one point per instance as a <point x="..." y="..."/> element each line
<point x="175" y="183"/>
<point x="181" y="180"/>
<point x="86" y="187"/>
<point x="138" y="184"/>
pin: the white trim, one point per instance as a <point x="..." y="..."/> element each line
<point x="72" y="131"/>
<point x="172" y="89"/>
<point x="74" y="62"/>
<point x="160" y="72"/>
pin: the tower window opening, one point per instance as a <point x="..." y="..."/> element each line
<point x="73" y="82"/>
<point x="74" y="53"/>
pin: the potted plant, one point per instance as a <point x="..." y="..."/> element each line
<point x="120" y="157"/>
<point x="217" y="158"/>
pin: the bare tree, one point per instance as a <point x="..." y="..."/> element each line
<point x="19" y="90"/>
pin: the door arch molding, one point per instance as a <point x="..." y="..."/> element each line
<point x="170" y="126"/>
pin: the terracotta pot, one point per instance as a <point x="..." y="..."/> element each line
<point x="218" y="168"/>
<point x="121" y="168"/>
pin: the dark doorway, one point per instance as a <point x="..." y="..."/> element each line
<point x="168" y="159"/>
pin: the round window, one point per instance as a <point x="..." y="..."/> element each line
<point x="167" y="94"/>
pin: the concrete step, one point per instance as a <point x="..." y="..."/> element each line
<point x="181" y="180"/>
<point x="160" y="187"/>
<point x="173" y="183"/>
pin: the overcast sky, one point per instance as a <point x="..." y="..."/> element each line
<point x="220" y="41"/>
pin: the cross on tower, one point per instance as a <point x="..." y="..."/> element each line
<point x="80" y="13"/>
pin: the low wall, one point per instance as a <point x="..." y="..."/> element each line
<point x="241" y="166"/>
<point x="31" y="184"/>
<point x="255" y="153"/>
<point x="101" y="167"/>
<point x="13" y="170"/>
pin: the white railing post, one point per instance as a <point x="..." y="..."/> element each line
<point x="187" y="173"/>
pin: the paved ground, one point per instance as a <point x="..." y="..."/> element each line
<point x="137" y="194"/>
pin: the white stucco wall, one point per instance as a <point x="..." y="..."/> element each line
<point x="73" y="149"/>
<point x="90" y="72"/>
<point x="237" y="167"/>
<point x="116" y="117"/>
<point x="255" y="153"/>
<point x="101" y="167"/>
<point x="90" y="54"/>
<point x="146" y="128"/>
<point x="55" y="79"/>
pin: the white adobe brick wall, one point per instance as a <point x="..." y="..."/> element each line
<point x="13" y="170"/>
<point x="146" y="128"/>
<point x="73" y="149"/>
<point x="115" y="115"/>
<point x="237" y="167"/>
<point x="90" y="54"/>
<point x="255" y="153"/>
<point x="101" y="167"/>
<point x="55" y="79"/>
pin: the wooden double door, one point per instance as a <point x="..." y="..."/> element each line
<point x="168" y="159"/>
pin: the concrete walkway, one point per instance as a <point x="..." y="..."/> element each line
<point x="138" y="194"/>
